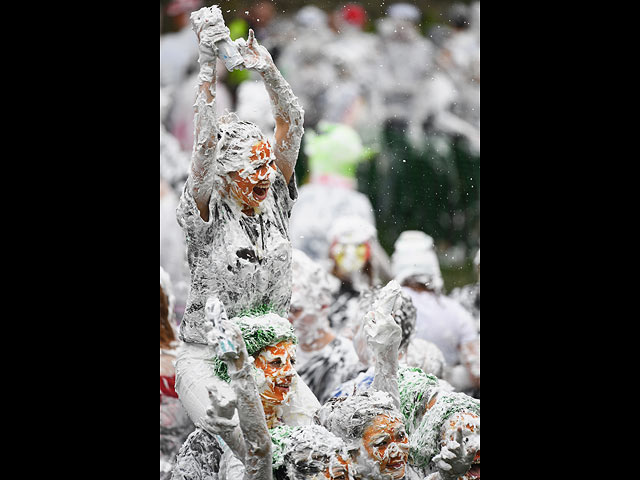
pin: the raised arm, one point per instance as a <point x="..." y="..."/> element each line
<point x="288" y="113"/>
<point x="256" y="451"/>
<point x="209" y="27"/>
<point x="383" y="337"/>
<point x="250" y="412"/>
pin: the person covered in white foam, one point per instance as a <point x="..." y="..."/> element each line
<point x="440" y="319"/>
<point x="254" y="388"/>
<point x="235" y="206"/>
<point x="324" y="357"/>
<point x="236" y="202"/>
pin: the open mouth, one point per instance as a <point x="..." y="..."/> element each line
<point x="260" y="191"/>
<point x="395" y="465"/>
<point x="283" y="387"/>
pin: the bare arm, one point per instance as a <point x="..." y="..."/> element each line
<point x="288" y="113"/>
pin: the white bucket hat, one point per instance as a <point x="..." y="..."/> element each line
<point x="414" y="256"/>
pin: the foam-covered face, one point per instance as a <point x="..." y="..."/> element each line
<point x="350" y="257"/>
<point x="276" y="362"/>
<point x="309" y="326"/>
<point x="387" y="443"/>
<point x="338" y="468"/>
<point x="250" y="185"/>
<point x="470" y="425"/>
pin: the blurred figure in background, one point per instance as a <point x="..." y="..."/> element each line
<point x="352" y="246"/>
<point x="174" y="168"/>
<point x="406" y="60"/>
<point x="306" y="64"/>
<point x="253" y="104"/>
<point x="175" y="424"/>
<point x="426" y="175"/>
<point x="270" y="29"/>
<point x="333" y="153"/>
<point x="178" y="50"/>
<point x="469" y="295"/>
<point x="174" y="162"/>
<point x="354" y="52"/>
<point x="180" y="118"/>
<point x="324" y="358"/>
<point x="440" y="319"/>
<point x="460" y="59"/>
<point x="412" y="352"/>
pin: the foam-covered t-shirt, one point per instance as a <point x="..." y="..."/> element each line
<point x="443" y="321"/>
<point x="243" y="260"/>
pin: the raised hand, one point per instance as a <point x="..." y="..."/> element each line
<point x="255" y="56"/>
<point x="240" y="356"/>
<point x="379" y="326"/>
<point x="454" y="459"/>
<point x="215" y="314"/>
<point x="208" y="24"/>
<point x="221" y="418"/>
<point x="388" y="297"/>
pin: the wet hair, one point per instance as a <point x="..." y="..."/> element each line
<point x="167" y="334"/>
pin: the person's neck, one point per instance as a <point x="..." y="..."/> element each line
<point x="270" y="414"/>
<point x="249" y="211"/>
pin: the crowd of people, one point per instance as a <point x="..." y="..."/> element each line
<point x="299" y="338"/>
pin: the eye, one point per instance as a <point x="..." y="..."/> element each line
<point x="293" y="361"/>
<point x="276" y="363"/>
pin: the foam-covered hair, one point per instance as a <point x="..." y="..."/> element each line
<point x="416" y="389"/>
<point x="290" y="445"/>
<point x="258" y="332"/>
<point x="313" y="287"/>
<point x="351" y="229"/>
<point x="414" y="257"/>
<point x="235" y="139"/>
<point x="348" y="417"/>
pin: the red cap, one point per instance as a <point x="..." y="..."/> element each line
<point x="354" y="14"/>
